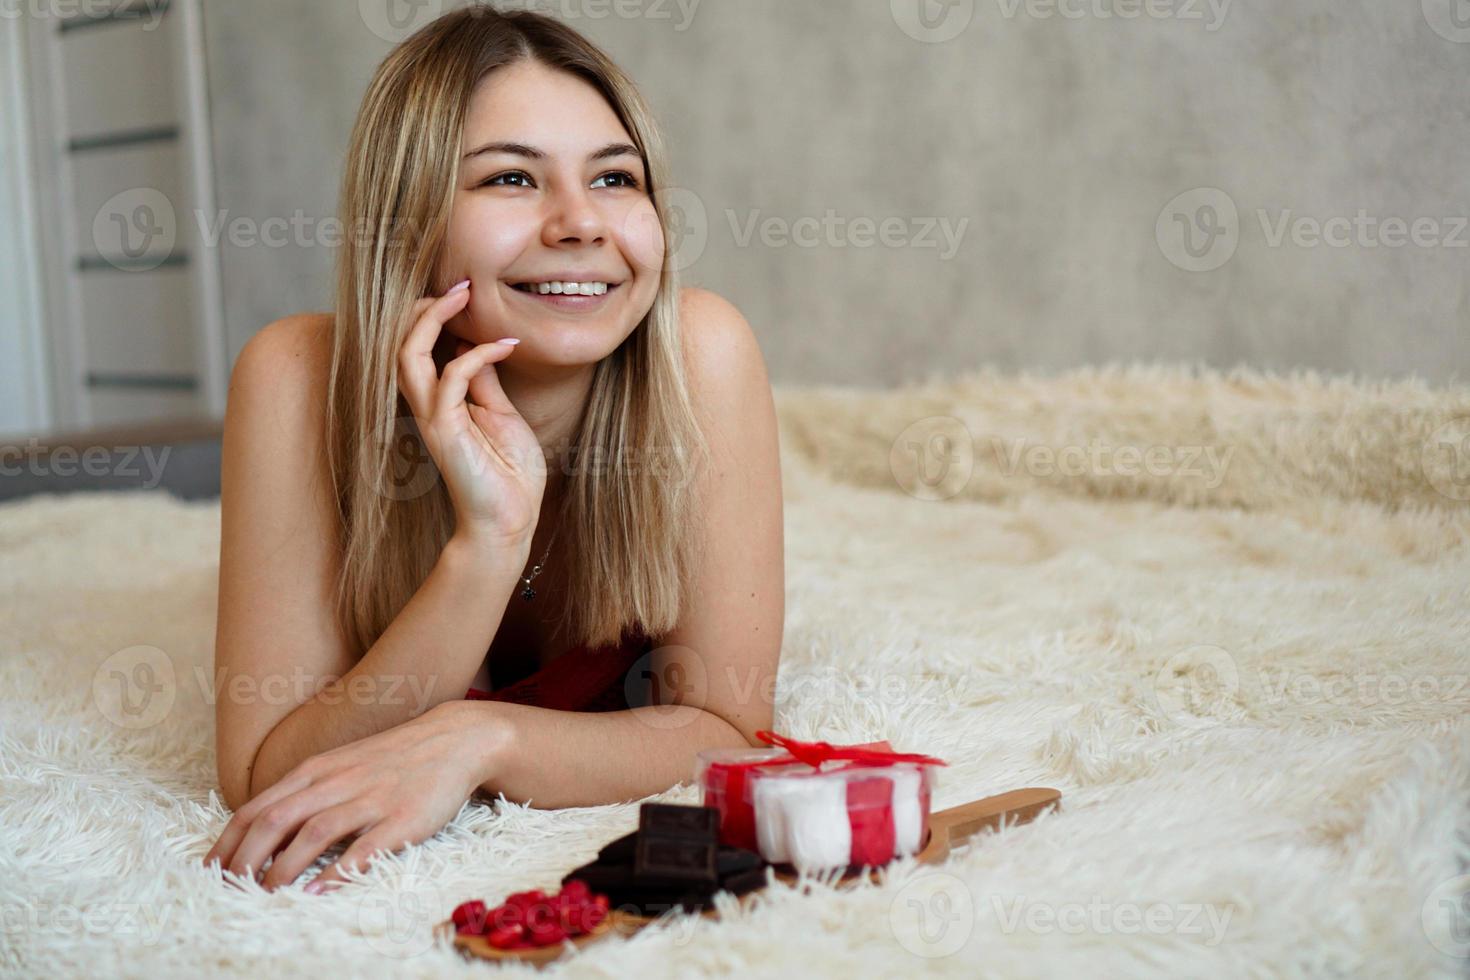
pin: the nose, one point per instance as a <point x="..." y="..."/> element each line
<point x="574" y="219"/>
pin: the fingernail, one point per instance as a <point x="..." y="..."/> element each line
<point x="509" y="340"/>
<point x="314" y="888"/>
<point x="461" y="287"/>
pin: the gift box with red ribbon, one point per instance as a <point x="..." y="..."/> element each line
<point x="814" y="805"/>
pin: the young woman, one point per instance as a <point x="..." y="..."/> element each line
<point x="582" y="584"/>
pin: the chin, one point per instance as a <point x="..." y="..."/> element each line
<point x="566" y="346"/>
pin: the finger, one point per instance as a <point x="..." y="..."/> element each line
<point x="229" y="840"/>
<point x="417" y="373"/>
<point x="455" y="385"/>
<point x="271" y="830"/>
<point x="384" y="836"/>
<point x="486" y="392"/>
<point x="315" y="837"/>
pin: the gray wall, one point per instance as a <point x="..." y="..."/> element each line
<point x="1062" y="135"/>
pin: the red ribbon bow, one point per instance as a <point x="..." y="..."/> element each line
<point x="816" y="753"/>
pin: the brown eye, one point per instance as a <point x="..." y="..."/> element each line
<point x="493" y="180"/>
<point x="629" y="178"/>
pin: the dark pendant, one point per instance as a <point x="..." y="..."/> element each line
<point x="528" y="593"/>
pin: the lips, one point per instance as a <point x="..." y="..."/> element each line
<point x="531" y="287"/>
<point x="568" y="302"/>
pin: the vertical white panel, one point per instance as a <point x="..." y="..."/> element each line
<point x="24" y="387"/>
<point x="197" y="165"/>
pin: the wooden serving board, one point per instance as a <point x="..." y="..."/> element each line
<point x="948" y="829"/>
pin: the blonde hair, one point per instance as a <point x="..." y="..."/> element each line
<point x="630" y="527"/>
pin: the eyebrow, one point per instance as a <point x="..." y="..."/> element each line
<point x="531" y="153"/>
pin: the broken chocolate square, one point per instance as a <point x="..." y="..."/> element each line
<point x="679" y="820"/>
<point x="674" y="861"/>
<point x="729" y="860"/>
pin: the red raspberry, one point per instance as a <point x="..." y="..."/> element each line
<point x="540" y="914"/>
<point x="508" y="914"/>
<point x="507" y="937"/>
<point x="546" y="933"/>
<point x="470" y="918"/>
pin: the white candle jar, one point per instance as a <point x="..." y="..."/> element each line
<point x="846" y="815"/>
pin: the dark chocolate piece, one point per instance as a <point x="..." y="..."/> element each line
<point x="729" y="860"/>
<point x="744" y="881"/>
<point x="679" y="820"/>
<point x="656" y="901"/>
<point x="674" y="861"/>
<point x="602" y="877"/>
<point x="619" y="851"/>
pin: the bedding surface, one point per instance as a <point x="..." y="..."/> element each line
<point x="1227" y="614"/>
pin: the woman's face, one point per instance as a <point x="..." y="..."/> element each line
<point x="551" y="190"/>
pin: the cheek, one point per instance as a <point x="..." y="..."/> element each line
<point x="482" y="244"/>
<point x="643" y="239"/>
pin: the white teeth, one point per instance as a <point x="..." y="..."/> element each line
<point x="570" y="288"/>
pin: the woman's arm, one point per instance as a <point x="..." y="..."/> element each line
<point x="551" y="759"/>
<point x="428" y="655"/>
<point x="278" y="561"/>
<point x="716" y="671"/>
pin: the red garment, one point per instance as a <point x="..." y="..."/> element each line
<point x="581" y="679"/>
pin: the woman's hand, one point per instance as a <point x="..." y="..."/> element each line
<point x="394" y="788"/>
<point x="490" y="459"/>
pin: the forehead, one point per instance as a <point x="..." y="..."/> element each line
<point x="552" y="110"/>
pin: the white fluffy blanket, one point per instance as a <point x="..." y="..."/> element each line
<point x="1239" y="649"/>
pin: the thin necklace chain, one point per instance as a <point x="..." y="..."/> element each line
<point x="529" y="593"/>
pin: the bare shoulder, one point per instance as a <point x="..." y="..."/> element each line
<point x="285" y="365"/>
<point x="720" y="349"/>
<point x="275" y="418"/>
<point x="302" y="341"/>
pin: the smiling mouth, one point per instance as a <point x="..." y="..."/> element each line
<point x="565" y="289"/>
